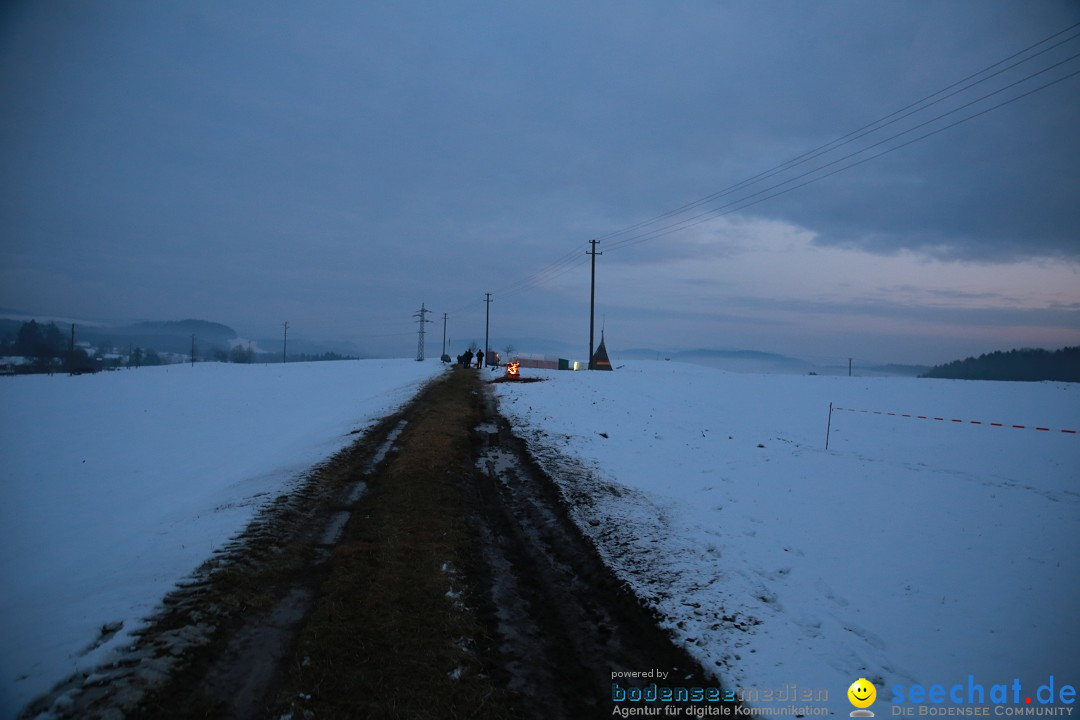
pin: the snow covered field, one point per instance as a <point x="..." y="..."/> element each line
<point x="913" y="551"/>
<point x="117" y="485"/>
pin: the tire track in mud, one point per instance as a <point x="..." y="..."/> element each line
<point x="431" y="570"/>
<point x="568" y="624"/>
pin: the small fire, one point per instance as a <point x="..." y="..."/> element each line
<point x="512" y="372"/>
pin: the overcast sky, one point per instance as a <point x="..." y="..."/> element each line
<point x="335" y="164"/>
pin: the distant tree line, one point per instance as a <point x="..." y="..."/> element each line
<point x="320" y="357"/>
<point x="239" y="354"/>
<point x="246" y="355"/>
<point x="47" y="349"/>
<point x="139" y="357"/>
<point x="37" y="341"/>
<point x="38" y="348"/>
<point x="1029" y="364"/>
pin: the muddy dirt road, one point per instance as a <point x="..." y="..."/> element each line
<point x="428" y="571"/>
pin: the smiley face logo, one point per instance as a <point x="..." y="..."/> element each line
<point x="862" y="693"/>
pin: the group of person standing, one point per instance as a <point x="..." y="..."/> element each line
<point x="466" y="360"/>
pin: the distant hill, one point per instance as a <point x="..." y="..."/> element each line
<point x="899" y="369"/>
<point x="9" y="328"/>
<point x="299" y="346"/>
<point x="756" y="361"/>
<point x="1031" y="365"/>
<point x="172" y="327"/>
<point x="163" y="336"/>
<point x="213" y="340"/>
<point x="725" y="359"/>
<point x="12" y="320"/>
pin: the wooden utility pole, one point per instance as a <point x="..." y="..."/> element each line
<point x="592" y="299"/>
<point x="443" y="356"/>
<point x="487" y="329"/>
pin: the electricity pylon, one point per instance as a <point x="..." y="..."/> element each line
<point x="421" y="314"/>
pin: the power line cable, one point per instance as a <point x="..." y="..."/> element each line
<point x="851" y="136"/>
<point x="531" y="280"/>
<point x="863" y="132"/>
<point x="539" y="275"/>
<point x="633" y="240"/>
<point x="575" y="258"/>
<point x="578" y="262"/>
<point x="382" y="335"/>
<point x="707" y="216"/>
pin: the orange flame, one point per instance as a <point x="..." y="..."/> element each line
<point x="512" y="370"/>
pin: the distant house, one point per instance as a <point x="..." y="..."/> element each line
<point x="11" y="364"/>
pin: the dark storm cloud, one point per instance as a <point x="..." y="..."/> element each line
<point x="1001" y="186"/>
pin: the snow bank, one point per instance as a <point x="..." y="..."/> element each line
<point x="913" y="551"/>
<point x="118" y="485"/>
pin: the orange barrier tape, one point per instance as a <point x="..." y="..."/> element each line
<point x="967" y="422"/>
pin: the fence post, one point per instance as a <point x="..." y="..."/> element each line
<point x="828" y="428"/>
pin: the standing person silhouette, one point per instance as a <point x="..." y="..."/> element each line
<point x="479" y="358"/>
